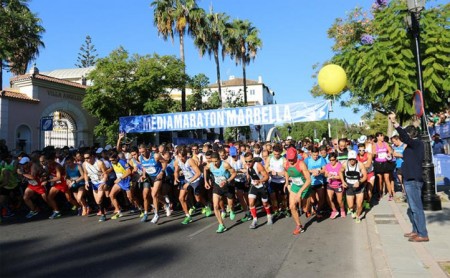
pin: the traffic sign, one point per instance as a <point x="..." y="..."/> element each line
<point x="47" y="124"/>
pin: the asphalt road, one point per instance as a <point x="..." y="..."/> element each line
<point x="82" y="247"/>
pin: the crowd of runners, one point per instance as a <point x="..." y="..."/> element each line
<point x="336" y="178"/>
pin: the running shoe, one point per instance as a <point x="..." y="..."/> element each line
<point x="221" y="229"/>
<point x="117" y="215"/>
<point x="298" y="230"/>
<point x="8" y="214"/>
<point x="269" y="219"/>
<point x="390" y="198"/>
<point x="142" y="214"/>
<point x="168" y="211"/>
<point x="80" y="211"/>
<point x="349" y="210"/>
<point x="254" y="223"/>
<point x="191" y="210"/>
<point x="334" y="214"/>
<point x="223" y="215"/>
<point x="232" y="215"/>
<point x="353" y="214"/>
<point x="276" y="214"/>
<point x="287" y="213"/>
<point x="204" y="210"/>
<point x="55" y="214"/>
<point x="102" y="218"/>
<point x="99" y="213"/>
<point x="208" y="211"/>
<point x="155" y="219"/>
<point x="74" y="207"/>
<point x="144" y="217"/>
<point x="343" y="214"/>
<point x="366" y="205"/>
<point x="308" y="214"/>
<point x="357" y="220"/>
<point x="187" y="220"/>
<point x="247" y="217"/>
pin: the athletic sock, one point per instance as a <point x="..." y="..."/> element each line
<point x="267" y="210"/>
<point x="253" y="212"/>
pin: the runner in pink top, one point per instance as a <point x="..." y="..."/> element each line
<point x="334" y="186"/>
<point x="383" y="156"/>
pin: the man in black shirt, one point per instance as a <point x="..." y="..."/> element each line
<point x="413" y="180"/>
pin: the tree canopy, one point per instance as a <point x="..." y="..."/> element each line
<point x="20" y="36"/>
<point x="126" y="85"/>
<point x="87" y="56"/>
<point x="376" y="50"/>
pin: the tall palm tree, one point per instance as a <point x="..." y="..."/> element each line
<point x="210" y="34"/>
<point x="20" y="36"/>
<point x="176" y="17"/>
<point x="243" y="45"/>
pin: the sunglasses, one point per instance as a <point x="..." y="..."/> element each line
<point x="249" y="161"/>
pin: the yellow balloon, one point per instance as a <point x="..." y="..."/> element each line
<point x="332" y="79"/>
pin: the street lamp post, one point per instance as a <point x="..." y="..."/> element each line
<point x="430" y="199"/>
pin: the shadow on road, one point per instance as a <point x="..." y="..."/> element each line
<point x="116" y="252"/>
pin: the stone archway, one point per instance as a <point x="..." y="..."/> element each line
<point x="23" y="138"/>
<point x="64" y="131"/>
<point x="71" y="126"/>
<point x="273" y="133"/>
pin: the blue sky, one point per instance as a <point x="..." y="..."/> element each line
<point x="294" y="35"/>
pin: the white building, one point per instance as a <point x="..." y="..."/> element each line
<point x="257" y="94"/>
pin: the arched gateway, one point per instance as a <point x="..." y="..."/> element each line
<point x="50" y="98"/>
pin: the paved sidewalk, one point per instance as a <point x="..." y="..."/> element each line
<point x="393" y="255"/>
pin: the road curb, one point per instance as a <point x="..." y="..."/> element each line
<point x="379" y="259"/>
<point x="426" y="258"/>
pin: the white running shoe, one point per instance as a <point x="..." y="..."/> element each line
<point x="254" y="223"/>
<point x="168" y="211"/>
<point x="269" y="219"/>
<point x="155" y="219"/>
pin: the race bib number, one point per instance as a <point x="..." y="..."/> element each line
<point x="33" y="182"/>
<point x="382" y="155"/>
<point x="219" y="180"/>
<point x="240" y="177"/>
<point x="297" y="181"/>
<point x="119" y="175"/>
<point x="150" y="170"/>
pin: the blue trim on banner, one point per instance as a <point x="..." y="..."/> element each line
<point x="442" y="169"/>
<point x="443" y="130"/>
<point x="275" y="114"/>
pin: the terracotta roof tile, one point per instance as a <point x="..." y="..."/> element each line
<point x="47" y="78"/>
<point x="17" y="96"/>
<point x="235" y="82"/>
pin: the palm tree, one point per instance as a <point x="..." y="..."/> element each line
<point x="210" y="35"/>
<point x="20" y="36"/>
<point x="243" y="44"/>
<point x="176" y="17"/>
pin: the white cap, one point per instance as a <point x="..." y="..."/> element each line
<point x="99" y="150"/>
<point x="24" y="160"/>
<point x="108" y="147"/>
<point x="217" y="141"/>
<point x="362" y="139"/>
<point x="351" y="154"/>
<point x="289" y="138"/>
